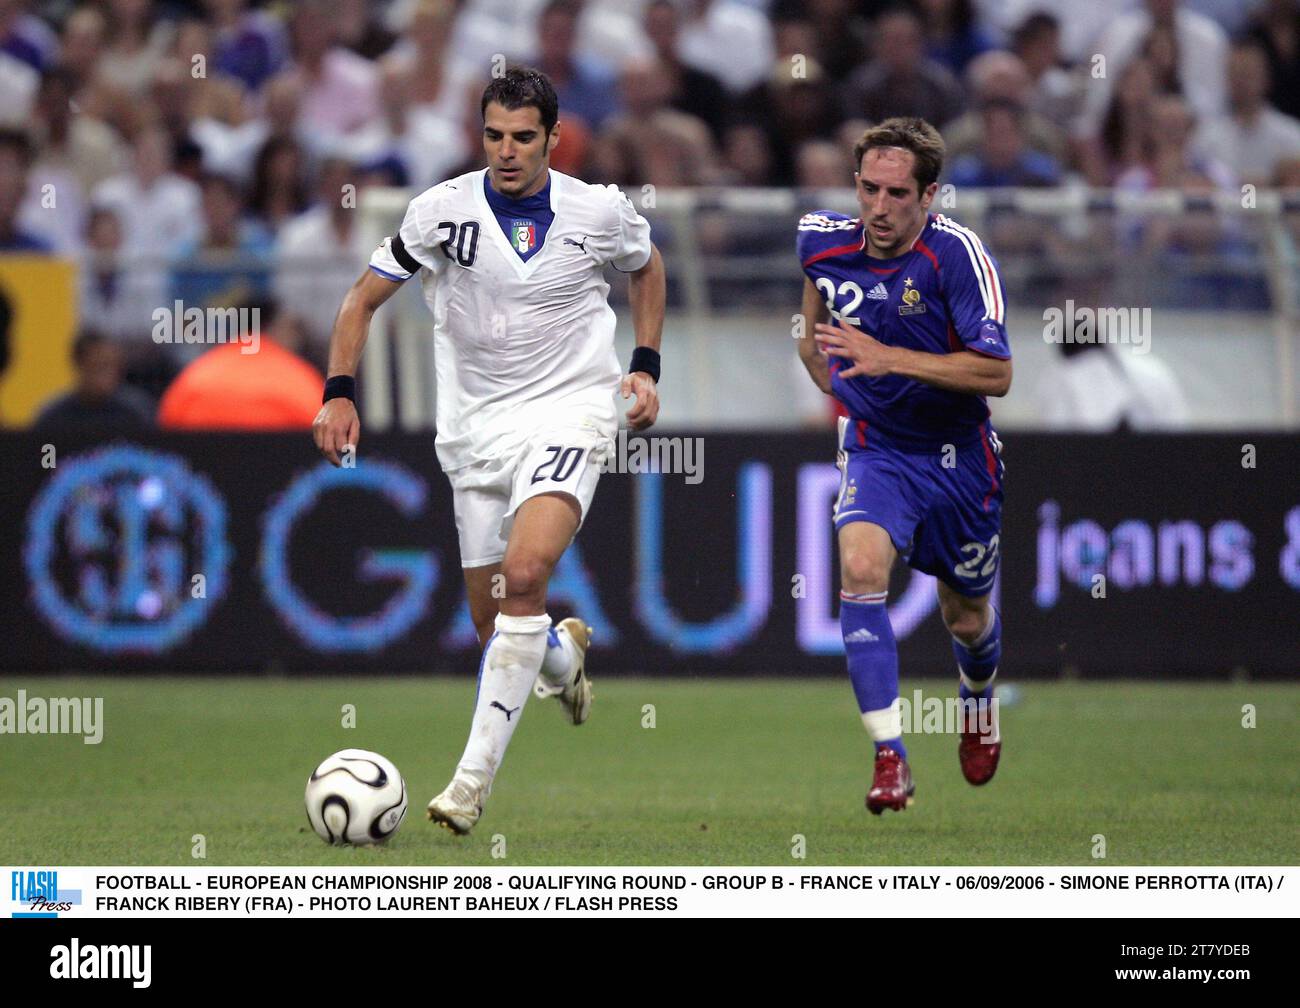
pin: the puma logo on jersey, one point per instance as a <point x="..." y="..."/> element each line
<point x="580" y="244"/>
<point x="505" y="710"/>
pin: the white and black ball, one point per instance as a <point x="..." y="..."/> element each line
<point x="356" y="797"/>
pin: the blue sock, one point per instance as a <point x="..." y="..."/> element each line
<point x="873" y="658"/>
<point x="979" y="662"/>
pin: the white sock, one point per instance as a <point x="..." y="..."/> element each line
<point x="557" y="665"/>
<point x="510" y="666"/>
<point x="886" y="723"/>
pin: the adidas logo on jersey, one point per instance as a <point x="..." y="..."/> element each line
<point x="878" y="292"/>
<point x="860" y="636"/>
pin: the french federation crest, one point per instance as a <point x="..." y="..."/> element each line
<point x="523" y="235"/>
<point x="912" y="303"/>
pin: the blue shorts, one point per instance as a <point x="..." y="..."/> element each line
<point x="944" y="520"/>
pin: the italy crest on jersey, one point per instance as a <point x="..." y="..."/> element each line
<point x="523" y="235"/>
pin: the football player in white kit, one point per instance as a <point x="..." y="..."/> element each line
<point x="511" y="261"/>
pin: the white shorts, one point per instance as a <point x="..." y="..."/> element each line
<point x="485" y="496"/>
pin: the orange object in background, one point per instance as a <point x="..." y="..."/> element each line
<point x="227" y="389"/>
<point x="573" y="148"/>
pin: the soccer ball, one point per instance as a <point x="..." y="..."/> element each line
<point x="356" y="797"/>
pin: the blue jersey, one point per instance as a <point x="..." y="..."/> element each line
<point x="940" y="296"/>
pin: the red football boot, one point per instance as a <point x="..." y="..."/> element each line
<point x="980" y="744"/>
<point x="892" y="786"/>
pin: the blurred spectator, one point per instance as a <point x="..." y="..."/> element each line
<point x="729" y="39"/>
<point x="1005" y="158"/>
<point x="15" y="160"/>
<point x="248" y="45"/>
<point x="747" y="155"/>
<point x="650" y="142"/>
<point x="25" y="37"/>
<point x="82" y="42"/>
<point x="229" y="389"/>
<point x="838" y="34"/>
<point x="1276" y="27"/>
<point x="117" y="295"/>
<point x="1160" y="50"/>
<point x="317" y="257"/>
<point x="796" y="105"/>
<point x="1254" y="137"/>
<point x="79" y="144"/>
<point x="1001" y="77"/>
<point x="235" y="149"/>
<point x="340" y="90"/>
<point x="1197" y="47"/>
<point x="1123" y="138"/>
<point x="98" y="402"/>
<point x="900" y="80"/>
<point x="586" y="87"/>
<point x="1052" y="92"/>
<point x="27" y="48"/>
<point x="361" y="31"/>
<point x="1081" y="23"/>
<point x="137" y="43"/>
<point x="695" y="92"/>
<point x="158" y="208"/>
<point x="1100" y="388"/>
<point x="178" y="100"/>
<point x="418" y="146"/>
<point x="610" y="31"/>
<point x="847" y="135"/>
<point x="821" y="164"/>
<point x="954" y="36"/>
<point x="441" y="79"/>
<point x="229" y="262"/>
<point x="1172" y="162"/>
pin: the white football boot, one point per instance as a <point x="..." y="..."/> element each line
<point x="461" y="801"/>
<point x="575" y="695"/>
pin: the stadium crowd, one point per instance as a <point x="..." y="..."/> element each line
<point x="199" y="148"/>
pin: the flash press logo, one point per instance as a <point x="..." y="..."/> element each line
<point x="37" y="894"/>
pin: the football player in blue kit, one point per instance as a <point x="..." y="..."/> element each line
<point x="908" y="313"/>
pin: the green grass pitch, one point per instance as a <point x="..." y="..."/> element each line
<point x="729" y="774"/>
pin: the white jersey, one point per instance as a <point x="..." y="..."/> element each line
<point x="517" y="343"/>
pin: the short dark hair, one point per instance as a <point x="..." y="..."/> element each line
<point x="521" y="87"/>
<point x="911" y="134"/>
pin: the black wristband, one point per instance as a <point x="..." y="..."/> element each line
<point x="340" y="386"/>
<point x="647" y="360"/>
